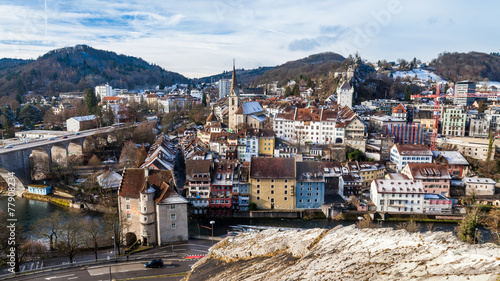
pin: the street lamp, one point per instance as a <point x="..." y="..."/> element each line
<point x="212" y="226"/>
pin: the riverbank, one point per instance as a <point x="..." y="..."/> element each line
<point x="67" y="201"/>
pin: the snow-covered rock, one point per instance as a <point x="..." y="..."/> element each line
<point x="348" y="253"/>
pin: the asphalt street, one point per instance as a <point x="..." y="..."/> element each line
<point x="175" y="265"/>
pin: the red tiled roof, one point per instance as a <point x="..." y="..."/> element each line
<point x="398" y="108"/>
<point x="132" y="183"/>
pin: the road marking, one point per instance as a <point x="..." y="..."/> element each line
<point x="57" y="277"/>
<point x="72" y="278"/>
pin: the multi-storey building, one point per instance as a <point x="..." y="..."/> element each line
<point x="453" y="121"/>
<point x="464" y="93"/>
<point x="272" y="183"/>
<point x="479" y="127"/>
<point x="367" y="170"/>
<point x="391" y="195"/>
<point x="412" y="133"/>
<point x="198" y="180"/>
<point x="350" y="185"/>
<point x="402" y="154"/>
<point x="241" y="188"/>
<point x="221" y="203"/>
<point x="310" y="185"/>
<point x="266" y="142"/>
<point x="318" y="126"/>
<point x="224" y="88"/>
<point x="435" y="177"/>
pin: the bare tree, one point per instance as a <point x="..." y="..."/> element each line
<point x="72" y="236"/>
<point x="96" y="235"/>
<point x="492" y="222"/>
<point x="466" y="229"/>
<point x="49" y="227"/>
<point x="410" y="226"/>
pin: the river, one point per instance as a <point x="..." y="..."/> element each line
<point x="29" y="211"/>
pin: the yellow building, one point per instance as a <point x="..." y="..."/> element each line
<point x="266" y="142"/>
<point x="272" y="183"/>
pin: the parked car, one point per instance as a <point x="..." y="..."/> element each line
<point x="154" y="263"/>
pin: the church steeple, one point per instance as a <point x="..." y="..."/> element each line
<point x="234" y="83"/>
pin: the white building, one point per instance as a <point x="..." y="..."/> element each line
<point x="104" y="91"/>
<point x="401" y="154"/>
<point x="317" y="125"/>
<point x="80" y="123"/>
<point x="197" y="94"/>
<point x="479" y="186"/>
<point x="345" y="94"/>
<point x="224" y="88"/>
<point x="109" y="180"/>
<point x="391" y="195"/>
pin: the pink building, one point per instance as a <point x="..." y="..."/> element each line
<point x="435" y="177"/>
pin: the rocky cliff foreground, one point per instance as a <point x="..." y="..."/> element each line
<point x="348" y="253"/>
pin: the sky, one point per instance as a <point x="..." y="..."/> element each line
<point x="200" y="38"/>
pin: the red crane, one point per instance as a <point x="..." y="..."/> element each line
<point x="435" y="126"/>
<point x="427" y="94"/>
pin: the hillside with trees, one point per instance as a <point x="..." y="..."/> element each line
<point x="310" y="67"/>
<point x="245" y="76"/>
<point x="78" y="68"/>
<point x="468" y="66"/>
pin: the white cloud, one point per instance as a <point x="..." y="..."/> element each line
<point x="199" y="38"/>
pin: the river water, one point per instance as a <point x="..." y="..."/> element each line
<point x="29" y="211"/>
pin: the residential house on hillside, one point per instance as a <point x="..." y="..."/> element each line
<point x="272" y="183"/>
<point x="162" y="154"/>
<point x="400" y="112"/>
<point x="350" y="185"/>
<point x="150" y="208"/>
<point x="266" y="142"/>
<point x="221" y="203"/>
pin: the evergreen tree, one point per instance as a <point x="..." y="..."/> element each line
<point x="32" y="113"/>
<point x="19" y="99"/>
<point x="204" y="99"/>
<point x="161" y="86"/>
<point x="91" y="101"/>
<point x="408" y="93"/>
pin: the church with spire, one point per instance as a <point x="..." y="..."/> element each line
<point x="243" y="115"/>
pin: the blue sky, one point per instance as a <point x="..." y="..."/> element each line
<point x="199" y="38"/>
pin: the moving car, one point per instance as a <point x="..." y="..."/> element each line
<point x="9" y="146"/>
<point x="65" y="137"/>
<point x="154" y="263"/>
<point x="77" y="134"/>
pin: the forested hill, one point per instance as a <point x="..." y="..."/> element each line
<point x="80" y="67"/>
<point x="310" y="67"/>
<point x="245" y="76"/>
<point x="468" y="66"/>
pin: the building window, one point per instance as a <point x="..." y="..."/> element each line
<point x="286" y="191"/>
<point x="145" y="209"/>
<point x="286" y="186"/>
<point x="258" y="186"/>
<point x="172" y="216"/>
<point x="173" y="226"/>
<point x="272" y="180"/>
<point x="258" y="191"/>
<point x="127" y="207"/>
<point x="286" y="181"/>
<point x="272" y="191"/>
<point x="258" y="180"/>
<point x="272" y="185"/>
<point x="145" y="219"/>
<point x="258" y="198"/>
<point x="172" y="206"/>
<point x="285" y="198"/>
<point x="127" y="199"/>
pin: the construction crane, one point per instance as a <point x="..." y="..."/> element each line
<point x="436" y="113"/>
<point x="427" y="94"/>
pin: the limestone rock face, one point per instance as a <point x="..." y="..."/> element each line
<point x="348" y="253"/>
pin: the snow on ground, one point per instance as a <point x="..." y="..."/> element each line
<point x="422" y="74"/>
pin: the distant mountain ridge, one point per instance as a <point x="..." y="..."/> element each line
<point x="474" y="66"/>
<point x="80" y="67"/>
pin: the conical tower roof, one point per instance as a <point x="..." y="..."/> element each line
<point x="234" y="83"/>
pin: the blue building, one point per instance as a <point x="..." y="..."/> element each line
<point x="310" y="185"/>
<point x="39" y="189"/>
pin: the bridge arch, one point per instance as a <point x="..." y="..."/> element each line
<point x="8" y="179"/>
<point x="59" y="154"/>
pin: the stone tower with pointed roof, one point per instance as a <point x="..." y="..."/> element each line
<point x="234" y="101"/>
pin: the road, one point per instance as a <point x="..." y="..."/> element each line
<point x="173" y="265"/>
<point x="33" y="143"/>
